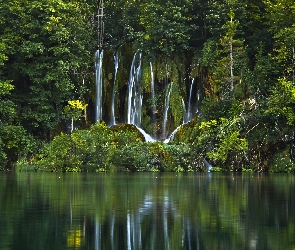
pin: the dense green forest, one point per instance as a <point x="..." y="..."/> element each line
<point x="238" y="53"/>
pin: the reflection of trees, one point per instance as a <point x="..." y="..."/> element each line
<point x="146" y="211"/>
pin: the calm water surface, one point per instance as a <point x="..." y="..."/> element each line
<point x="147" y="211"/>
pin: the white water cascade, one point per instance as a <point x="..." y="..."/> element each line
<point x="134" y="92"/>
<point x="208" y="165"/>
<point x="116" y="62"/>
<point x="153" y="103"/>
<point x="147" y="137"/>
<point x="98" y="80"/>
<point x="166" y="108"/>
<point x="188" y="115"/>
<point x="135" y="96"/>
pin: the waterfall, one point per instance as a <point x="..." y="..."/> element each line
<point x="166" y="108"/>
<point x="98" y="74"/>
<point x="187" y="114"/>
<point x="147" y="137"/>
<point x="208" y="165"/>
<point x="171" y="136"/>
<point x="116" y="62"/>
<point x="153" y="103"/>
<point x="134" y="92"/>
<point x="189" y="109"/>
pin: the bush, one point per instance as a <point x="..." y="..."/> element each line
<point x="15" y="144"/>
<point x="282" y="163"/>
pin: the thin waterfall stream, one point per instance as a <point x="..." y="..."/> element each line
<point x="166" y="108"/>
<point x="98" y="78"/>
<point x="116" y="62"/>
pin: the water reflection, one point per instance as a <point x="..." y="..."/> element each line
<point x="146" y="211"/>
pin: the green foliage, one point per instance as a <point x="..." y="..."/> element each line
<point x="281" y="16"/>
<point x="222" y="138"/>
<point x="82" y="150"/>
<point x="179" y="157"/>
<point x="103" y="149"/>
<point x="15" y="144"/>
<point x="261" y="79"/>
<point x="85" y="150"/>
<point x="282" y="101"/>
<point x="282" y="163"/>
<point x="133" y="157"/>
<point x="7" y="107"/>
<point x="46" y="42"/>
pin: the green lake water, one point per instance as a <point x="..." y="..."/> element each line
<point x="147" y="211"/>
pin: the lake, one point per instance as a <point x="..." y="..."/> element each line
<point x="147" y="211"/>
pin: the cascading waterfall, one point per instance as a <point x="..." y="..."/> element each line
<point x="134" y="92"/>
<point x="166" y="107"/>
<point x="187" y="114"/>
<point x="189" y="109"/>
<point x="153" y="103"/>
<point x="171" y="136"/>
<point x="147" y="137"/>
<point x="135" y="96"/>
<point x="98" y="80"/>
<point x="116" y="62"/>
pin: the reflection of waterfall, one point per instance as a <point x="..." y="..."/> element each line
<point x="128" y="231"/>
<point x="97" y="234"/>
<point x="134" y="92"/>
<point x="116" y="62"/>
<point x="98" y="74"/>
<point x="136" y="219"/>
<point x="166" y="108"/>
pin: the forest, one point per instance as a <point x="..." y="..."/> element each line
<point x="217" y="74"/>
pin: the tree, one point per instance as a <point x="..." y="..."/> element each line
<point x="74" y="111"/>
<point x="50" y="45"/>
